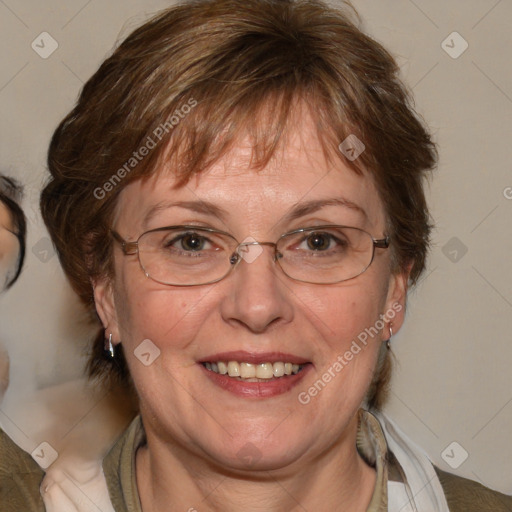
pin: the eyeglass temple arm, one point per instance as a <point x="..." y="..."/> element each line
<point x="127" y="247"/>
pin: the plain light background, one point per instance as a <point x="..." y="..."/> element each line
<point x="453" y="382"/>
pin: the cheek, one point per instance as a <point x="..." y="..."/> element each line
<point x="166" y="316"/>
<point x="341" y="314"/>
<point x="9" y="254"/>
<point x="347" y="321"/>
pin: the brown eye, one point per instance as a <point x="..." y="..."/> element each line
<point x="188" y="242"/>
<point x="318" y="241"/>
<point x="192" y="242"/>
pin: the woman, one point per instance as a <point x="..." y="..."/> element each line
<point x="238" y="194"/>
<point x="19" y="475"/>
<point x="12" y="252"/>
<point x="12" y="232"/>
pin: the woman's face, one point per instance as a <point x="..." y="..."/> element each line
<point x="256" y="314"/>
<point x="9" y="247"/>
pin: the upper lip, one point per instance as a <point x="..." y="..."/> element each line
<point x="254" y="357"/>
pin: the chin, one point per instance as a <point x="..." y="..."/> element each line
<point x="251" y="458"/>
<point x="260" y="453"/>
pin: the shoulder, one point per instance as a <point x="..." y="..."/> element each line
<point x="468" y="496"/>
<point x="20" y="478"/>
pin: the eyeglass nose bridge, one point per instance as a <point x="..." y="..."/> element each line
<point x="236" y="257"/>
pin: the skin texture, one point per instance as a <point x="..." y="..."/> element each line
<point x="9" y="247"/>
<point x="307" y="454"/>
<point x="9" y="253"/>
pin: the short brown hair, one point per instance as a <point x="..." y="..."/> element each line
<point x="232" y="62"/>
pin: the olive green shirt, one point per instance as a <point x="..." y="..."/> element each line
<point x="462" y="495"/>
<point x="20" y="476"/>
<point x="119" y="468"/>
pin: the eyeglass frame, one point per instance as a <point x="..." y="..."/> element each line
<point x="132" y="248"/>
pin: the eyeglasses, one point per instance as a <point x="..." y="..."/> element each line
<point x="191" y="256"/>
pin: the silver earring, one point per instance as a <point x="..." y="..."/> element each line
<point x="109" y="347"/>
<point x="388" y="341"/>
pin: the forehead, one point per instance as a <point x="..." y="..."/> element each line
<point x="298" y="174"/>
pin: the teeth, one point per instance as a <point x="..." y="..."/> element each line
<point x="233" y="369"/>
<point x="253" y="372"/>
<point x="278" y="369"/>
<point x="265" y="371"/>
<point x="247" y="371"/>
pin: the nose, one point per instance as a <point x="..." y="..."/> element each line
<point x="258" y="297"/>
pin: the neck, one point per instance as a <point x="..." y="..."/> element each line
<point x="168" y="478"/>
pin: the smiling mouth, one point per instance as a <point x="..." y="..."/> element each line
<point x="249" y="372"/>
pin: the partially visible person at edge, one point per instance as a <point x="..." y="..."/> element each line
<point x="12" y="232"/>
<point x="238" y="195"/>
<point x="14" y="464"/>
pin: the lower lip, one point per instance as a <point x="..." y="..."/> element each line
<point x="246" y="389"/>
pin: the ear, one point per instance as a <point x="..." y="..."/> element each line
<point x="105" y="306"/>
<point x="394" y="313"/>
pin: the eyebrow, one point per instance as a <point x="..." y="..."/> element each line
<point x="308" y="207"/>
<point x="204" y="207"/>
<point x="208" y="208"/>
